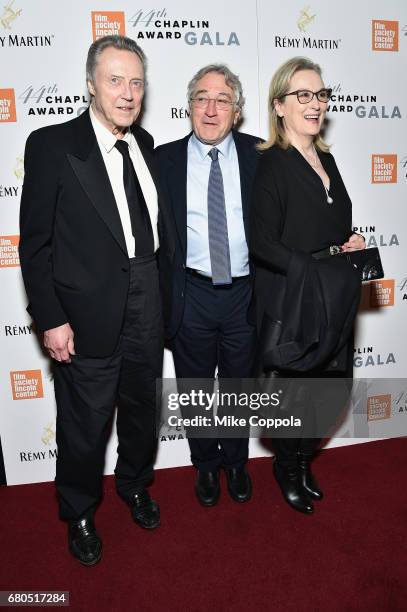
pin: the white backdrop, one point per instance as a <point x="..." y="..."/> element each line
<point x="362" y="48"/>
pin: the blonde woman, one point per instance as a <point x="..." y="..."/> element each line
<point x="300" y="209"/>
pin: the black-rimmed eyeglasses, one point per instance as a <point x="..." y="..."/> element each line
<point x="305" y="95"/>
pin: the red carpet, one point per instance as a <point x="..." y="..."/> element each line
<point x="350" y="555"/>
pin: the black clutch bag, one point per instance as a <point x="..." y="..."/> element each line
<point x="367" y="261"/>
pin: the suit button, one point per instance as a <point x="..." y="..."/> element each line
<point x="334" y="364"/>
<point x="182" y="294"/>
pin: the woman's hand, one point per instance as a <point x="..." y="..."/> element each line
<point x="355" y="243"/>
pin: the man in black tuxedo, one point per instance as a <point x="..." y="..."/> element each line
<point x="90" y="230"/>
<point x="206" y="179"/>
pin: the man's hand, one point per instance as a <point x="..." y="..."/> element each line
<point x="59" y="343"/>
<point x="355" y="243"/>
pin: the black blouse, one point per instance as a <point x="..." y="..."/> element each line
<point x="290" y="210"/>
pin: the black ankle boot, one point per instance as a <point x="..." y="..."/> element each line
<point x="291" y="488"/>
<point x="307" y="479"/>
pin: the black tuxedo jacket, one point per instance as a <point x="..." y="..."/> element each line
<point x="72" y="248"/>
<point x="172" y="164"/>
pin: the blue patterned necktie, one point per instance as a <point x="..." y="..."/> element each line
<point x="217" y="225"/>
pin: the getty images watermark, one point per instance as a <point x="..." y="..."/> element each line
<point x="282" y="407"/>
<point x="224" y="401"/>
<point x="226" y="408"/>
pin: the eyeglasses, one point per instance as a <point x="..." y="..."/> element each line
<point x="222" y="104"/>
<point x="305" y="95"/>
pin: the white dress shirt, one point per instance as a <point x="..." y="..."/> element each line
<point x="114" y="166"/>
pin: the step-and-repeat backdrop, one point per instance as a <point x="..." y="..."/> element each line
<point x="362" y="49"/>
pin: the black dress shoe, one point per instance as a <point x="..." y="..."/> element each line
<point x="291" y="488"/>
<point x="239" y="483"/>
<point x="84" y="542"/>
<point x="308" y="481"/>
<point x="145" y="511"/>
<point x="207" y="488"/>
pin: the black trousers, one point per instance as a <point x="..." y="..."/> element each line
<point x="325" y="403"/>
<point x="87" y="391"/>
<point x="215" y="333"/>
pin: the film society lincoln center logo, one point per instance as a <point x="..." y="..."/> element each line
<point x="384" y="168"/>
<point x="7" y="106"/>
<point x="26" y="384"/>
<point x="378" y="407"/>
<point x="382" y="292"/>
<point x="107" y="23"/>
<point x="385" y="35"/>
<point x="9" y="257"/>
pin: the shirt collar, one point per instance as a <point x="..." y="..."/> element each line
<point x="202" y="149"/>
<point x="106" y="138"/>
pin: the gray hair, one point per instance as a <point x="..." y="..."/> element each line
<point x="122" y="43"/>
<point x="231" y="79"/>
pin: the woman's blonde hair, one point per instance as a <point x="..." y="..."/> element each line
<point x="279" y="87"/>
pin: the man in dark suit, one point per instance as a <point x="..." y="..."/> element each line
<point x="90" y="230"/>
<point x="206" y="179"/>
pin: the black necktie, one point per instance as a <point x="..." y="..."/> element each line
<point x="139" y="215"/>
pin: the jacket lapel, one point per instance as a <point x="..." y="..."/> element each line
<point x="90" y="170"/>
<point x="165" y="230"/>
<point x="177" y="186"/>
<point x="247" y="158"/>
<point x="148" y="155"/>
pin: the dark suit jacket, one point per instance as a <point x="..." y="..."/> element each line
<point x="72" y="248"/>
<point x="172" y="163"/>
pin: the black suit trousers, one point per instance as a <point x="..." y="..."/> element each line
<point x="215" y="332"/>
<point x="87" y="391"/>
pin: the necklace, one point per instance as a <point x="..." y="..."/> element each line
<point x="314" y="162"/>
<point x="312" y="159"/>
<point x="328" y="197"/>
